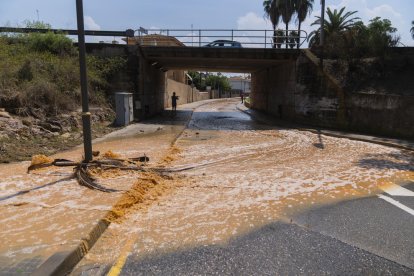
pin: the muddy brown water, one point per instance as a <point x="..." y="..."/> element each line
<point x="237" y="175"/>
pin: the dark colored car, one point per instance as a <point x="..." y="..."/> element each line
<point x="225" y="44"/>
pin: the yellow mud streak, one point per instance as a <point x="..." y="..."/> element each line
<point x="110" y="154"/>
<point x="171" y="156"/>
<point x="147" y="189"/>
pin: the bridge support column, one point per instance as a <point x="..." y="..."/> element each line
<point x="273" y="89"/>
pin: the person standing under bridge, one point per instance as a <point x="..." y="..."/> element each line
<point x="174" y="99"/>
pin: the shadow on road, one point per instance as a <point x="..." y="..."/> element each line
<point x="403" y="161"/>
<point x="320" y="144"/>
<point x="278" y="248"/>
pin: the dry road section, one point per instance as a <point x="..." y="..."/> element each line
<point x="233" y="176"/>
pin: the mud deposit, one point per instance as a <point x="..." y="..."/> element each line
<point x="233" y="175"/>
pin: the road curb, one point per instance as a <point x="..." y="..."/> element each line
<point x="349" y="136"/>
<point x="62" y="263"/>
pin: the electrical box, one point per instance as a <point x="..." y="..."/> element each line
<point x="124" y="108"/>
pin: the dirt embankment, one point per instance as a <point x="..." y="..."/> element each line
<point x="22" y="137"/>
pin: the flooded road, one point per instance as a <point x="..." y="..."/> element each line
<point x="234" y="175"/>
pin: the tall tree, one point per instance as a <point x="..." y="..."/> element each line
<point x="272" y="12"/>
<point x="337" y="23"/>
<point x="303" y="8"/>
<point x="286" y="9"/>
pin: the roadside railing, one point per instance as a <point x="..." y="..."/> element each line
<point x="248" y="38"/>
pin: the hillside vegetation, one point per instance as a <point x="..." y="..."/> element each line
<point x="40" y="94"/>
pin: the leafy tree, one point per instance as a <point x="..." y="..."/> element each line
<point x="381" y="35"/>
<point x="34" y="24"/>
<point x="335" y="25"/>
<point x="303" y="8"/>
<point x="279" y="38"/>
<point x="218" y="82"/>
<point x="48" y="42"/>
<point x="201" y="80"/>
<point x="293" y="39"/>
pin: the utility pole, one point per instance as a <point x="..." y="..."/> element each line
<point x="322" y="34"/>
<point x="86" y="115"/>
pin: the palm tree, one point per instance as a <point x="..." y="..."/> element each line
<point x="273" y="14"/>
<point x="303" y="8"/>
<point x="336" y="24"/>
<point x="286" y="9"/>
<point x="412" y="29"/>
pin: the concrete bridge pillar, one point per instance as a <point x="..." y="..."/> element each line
<point x="273" y="89"/>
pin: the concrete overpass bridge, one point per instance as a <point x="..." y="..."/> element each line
<point x="273" y="71"/>
<point x="217" y="59"/>
<point x="285" y="82"/>
<point x="262" y="56"/>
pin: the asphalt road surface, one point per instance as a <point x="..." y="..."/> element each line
<point x="251" y="198"/>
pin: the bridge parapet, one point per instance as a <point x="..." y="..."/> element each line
<point x="248" y="38"/>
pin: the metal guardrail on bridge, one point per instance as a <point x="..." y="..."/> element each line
<point x="196" y="37"/>
<point x="248" y="38"/>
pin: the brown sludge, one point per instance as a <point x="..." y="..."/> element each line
<point x="40" y="159"/>
<point x="145" y="191"/>
<point x="172" y="154"/>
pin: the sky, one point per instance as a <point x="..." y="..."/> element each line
<point x="186" y="14"/>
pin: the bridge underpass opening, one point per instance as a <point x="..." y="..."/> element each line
<point x="272" y="73"/>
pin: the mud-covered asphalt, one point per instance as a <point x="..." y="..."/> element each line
<point x="249" y="197"/>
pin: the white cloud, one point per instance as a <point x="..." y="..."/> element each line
<point x="90" y="24"/>
<point x="383" y="11"/>
<point x="252" y="21"/>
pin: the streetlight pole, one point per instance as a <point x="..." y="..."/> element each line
<point x="322" y="34"/>
<point x="86" y="115"/>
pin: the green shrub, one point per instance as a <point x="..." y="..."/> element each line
<point x="50" y="42"/>
<point x="44" y="95"/>
<point x="41" y="71"/>
<point x="25" y="72"/>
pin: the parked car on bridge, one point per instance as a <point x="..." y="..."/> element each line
<point x="225" y="44"/>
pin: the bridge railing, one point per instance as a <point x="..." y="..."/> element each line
<point x="248" y="38"/>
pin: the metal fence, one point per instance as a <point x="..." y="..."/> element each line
<point x="197" y="37"/>
<point x="248" y="38"/>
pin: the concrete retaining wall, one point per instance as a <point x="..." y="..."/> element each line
<point x="302" y="93"/>
<point x="320" y="100"/>
<point x="391" y="115"/>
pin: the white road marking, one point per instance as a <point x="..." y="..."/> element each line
<point x="396" y="190"/>
<point x="397" y="204"/>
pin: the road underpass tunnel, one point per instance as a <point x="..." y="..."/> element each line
<point x="194" y="74"/>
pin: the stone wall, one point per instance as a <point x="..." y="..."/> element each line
<point x="303" y="93"/>
<point x="391" y="115"/>
<point x="320" y="100"/>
